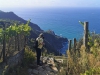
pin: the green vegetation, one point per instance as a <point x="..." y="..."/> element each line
<point x="15" y="29"/>
<point x="5" y="68"/>
<point x="61" y="66"/>
<point x="29" y="57"/>
<point x="83" y="62"/>
<point x="14" y="34"/>
<point x="22" y="68"/>
<point x="80" y="62"/>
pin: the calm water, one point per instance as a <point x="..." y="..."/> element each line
<point x="63" y="21"/>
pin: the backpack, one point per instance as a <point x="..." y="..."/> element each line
<point x="35" y="45"/>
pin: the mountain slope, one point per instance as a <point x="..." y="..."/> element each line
<point x="12" y="16"/>
<point x="52" y="41"/>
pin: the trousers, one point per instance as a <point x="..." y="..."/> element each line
<point x="38" y="52"/>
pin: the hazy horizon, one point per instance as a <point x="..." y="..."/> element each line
<point x="13" y="9"/>
<point x="48" y="3"/>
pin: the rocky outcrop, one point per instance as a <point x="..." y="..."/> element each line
<point x="43" y="70"/>
<point x="55" y="43"/>
<point x="11" y="62"/>
<point x="48" y="68"/>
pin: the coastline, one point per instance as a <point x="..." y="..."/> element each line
<point x="65" y="48"/>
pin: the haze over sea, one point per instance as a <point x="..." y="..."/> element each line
<point x="63" y="21"/>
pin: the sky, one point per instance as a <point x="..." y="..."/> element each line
<point x="48" y="3"/>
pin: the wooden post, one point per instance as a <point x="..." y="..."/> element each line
<point x="75" y="44"/>
<point x="4" y="44"/>
<point x="85" y="38"/>
<point x="3" y="23"/>
<point x="18" y="42"/>
<point x="69" y="46"/>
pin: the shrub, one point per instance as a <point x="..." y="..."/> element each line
<point x="29" y="57"/>
<point x="82" y="62"/>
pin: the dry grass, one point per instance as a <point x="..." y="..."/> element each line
<point x="82" y="61"/>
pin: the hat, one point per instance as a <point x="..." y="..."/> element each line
<point x="41" y="35"/>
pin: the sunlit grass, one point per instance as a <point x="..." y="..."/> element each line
<point x="83" y="62"/>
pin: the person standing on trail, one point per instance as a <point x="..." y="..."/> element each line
<point x="39" y="47"/>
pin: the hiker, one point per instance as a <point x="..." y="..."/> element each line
<point x="39" y="47"/>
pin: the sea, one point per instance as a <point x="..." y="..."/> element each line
<point x="63" y="21"/>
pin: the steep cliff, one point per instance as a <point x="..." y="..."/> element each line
<point x="52" y="41"/>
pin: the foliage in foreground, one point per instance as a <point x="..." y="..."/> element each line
<point x="83" y="62"/>
<point x="29" y="57"/>
<point x="21" y="68"/>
